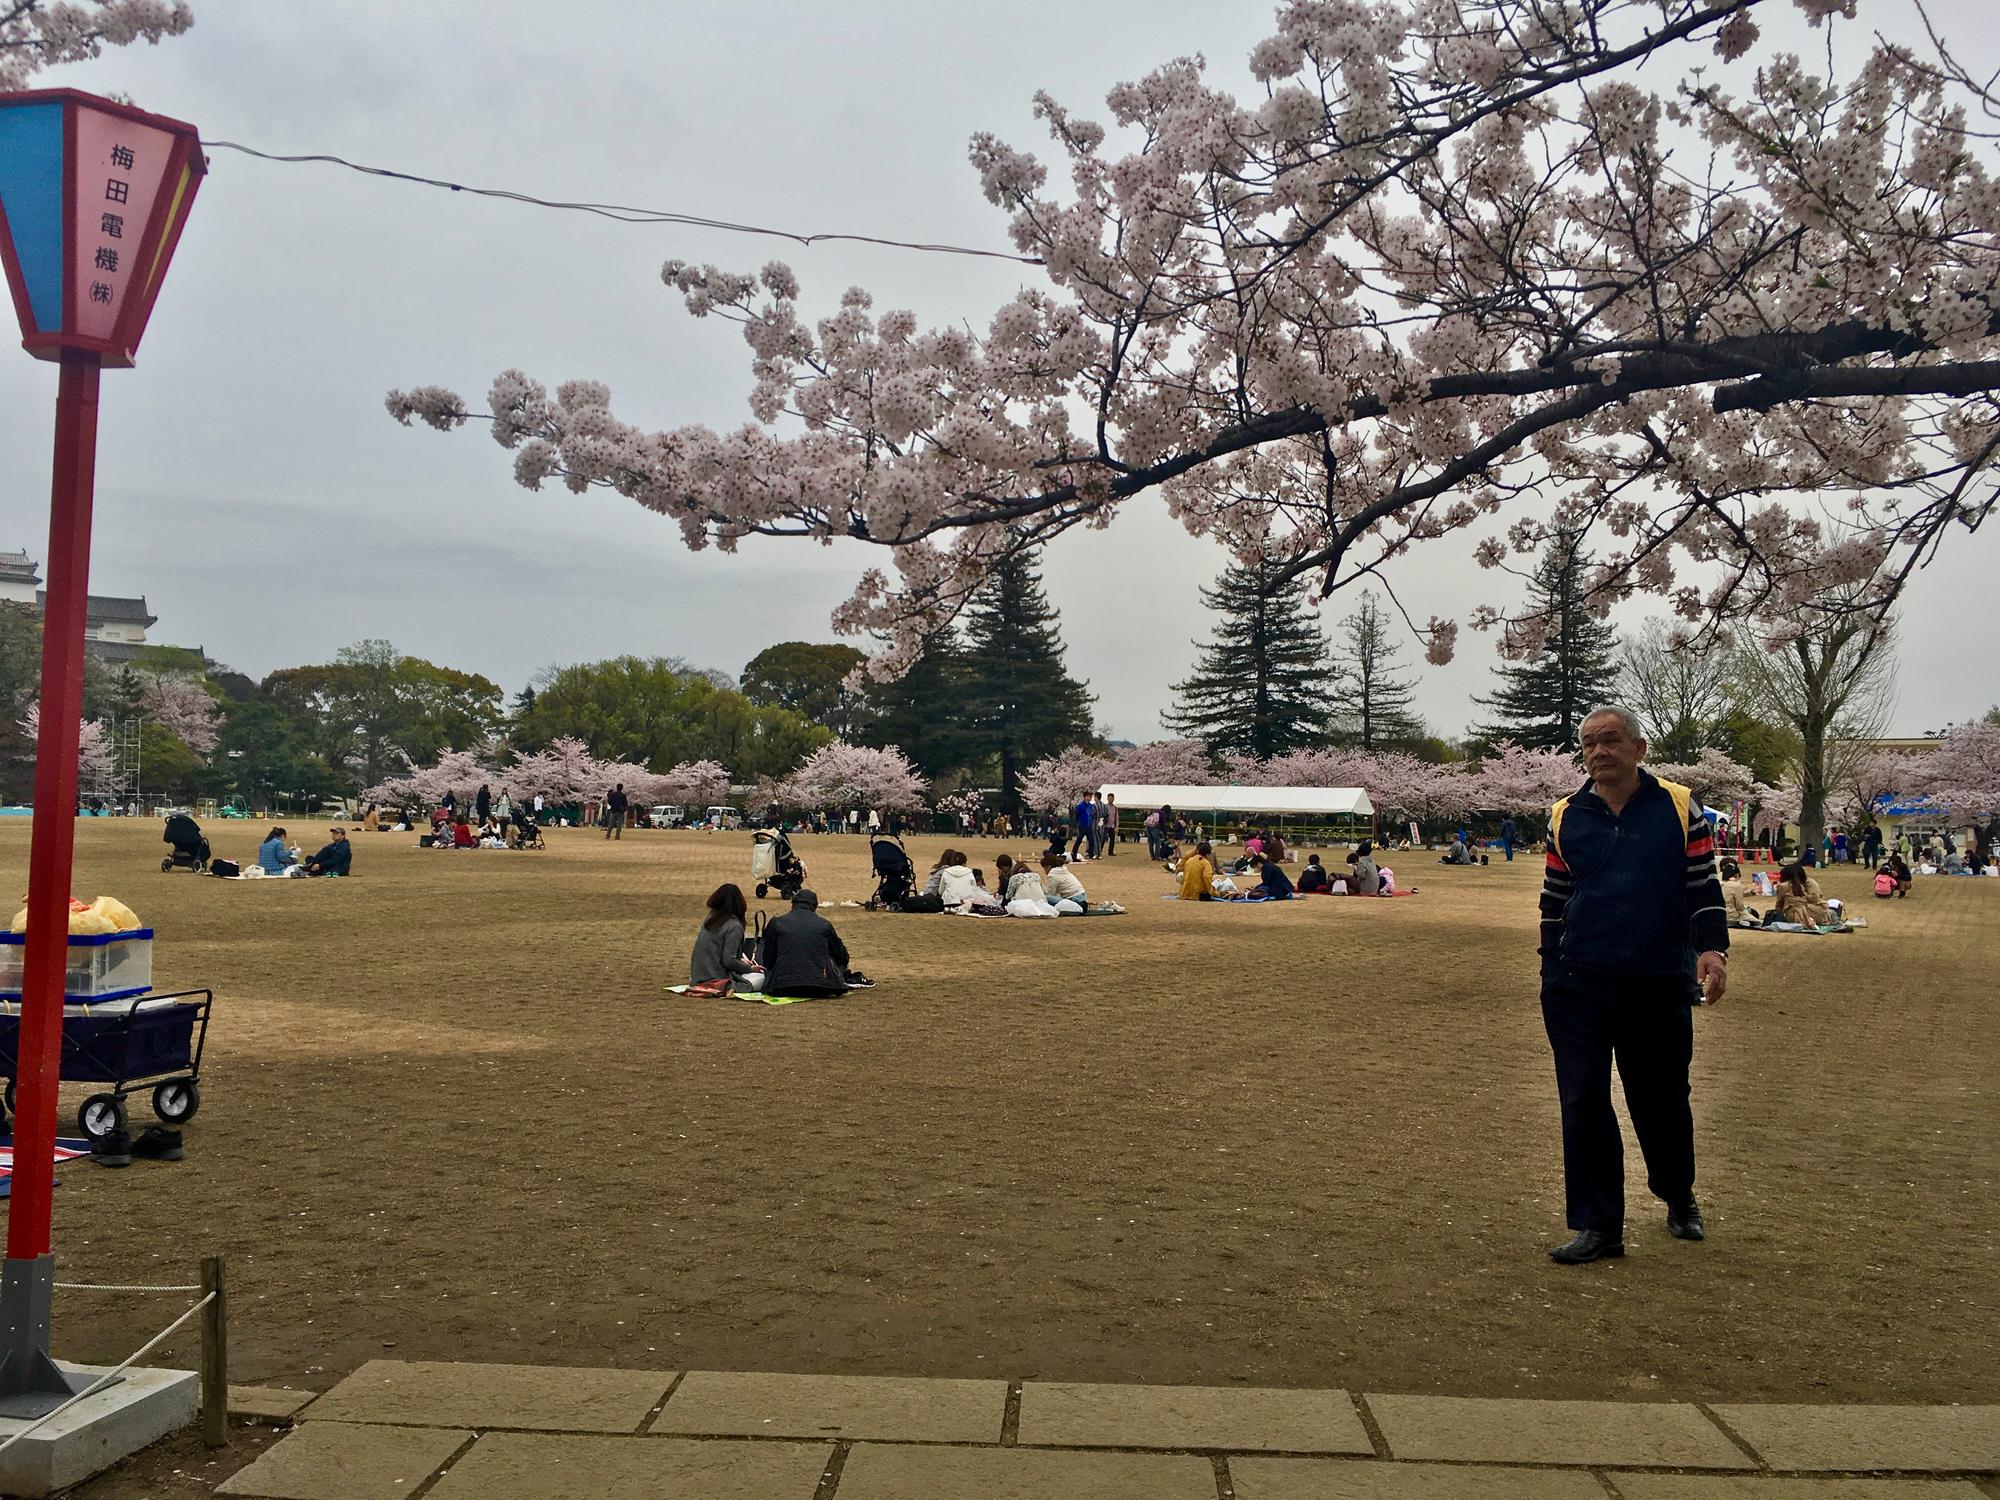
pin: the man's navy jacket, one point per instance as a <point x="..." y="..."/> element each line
<point x="1633" y="892"/>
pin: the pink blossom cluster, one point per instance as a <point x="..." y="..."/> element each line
<point x="37" y="36"/>
<point x="841" y="775"/>
<point x="1448" y="269"/>
<point x="564" y="771"/>
<point x="96" y="758"/>
<point x="179" y="704"/>
<point x="1962" y="775"/>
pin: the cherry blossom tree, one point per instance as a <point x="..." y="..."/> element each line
<point x="179" y="704"/>
<point x="1712" y="776"/>
<point x="1321" y="768"/>
<point x="1774" y="808"/>
<point x="1164" y="763"/>
<point x="96" y="757"/>
<point x="840" y="775"/>
<point x="695" y="783"/>
<point x="1962" y="776"/>
<point x="1599" y="266"/>
<point x="1059" y="781"/>
<point x="1517" y="779"/>
<point x="563" y="771"/>
<point x="36" y="35"/>
<point x="459" y="772"/>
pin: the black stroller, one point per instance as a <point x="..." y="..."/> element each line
<point x="895" y="876"/>
<point x="775" y="866"/>
<point x="190" y="848"/>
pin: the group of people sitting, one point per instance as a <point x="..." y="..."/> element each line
<point x="457" y="831"/>
<point x="1201" y="881"/>
<point x="800" y="956"/>
<point x="1796" y="899"/>
<point x="276" y="857"/>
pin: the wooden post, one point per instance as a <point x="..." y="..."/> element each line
<point x="214" y="1355"/>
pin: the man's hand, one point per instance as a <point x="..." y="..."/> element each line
<point x="1711" y="971"/>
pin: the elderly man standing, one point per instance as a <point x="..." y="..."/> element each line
<point x="1632" y="921"/>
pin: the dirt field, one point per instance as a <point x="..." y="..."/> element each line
<point x="449" y="1113"/>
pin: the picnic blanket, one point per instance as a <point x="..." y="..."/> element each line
<point x="66" y="1150"/>
<point x="1802" y="927"/>
<point x="1399" y="891"/>
<point x="681" y="989"/>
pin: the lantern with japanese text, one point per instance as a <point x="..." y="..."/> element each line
<point x="93" y="195"/>
<point x="92" y="199"/>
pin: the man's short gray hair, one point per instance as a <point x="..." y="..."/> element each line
<point x="1624" y="716"/>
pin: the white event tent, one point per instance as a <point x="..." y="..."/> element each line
<point x="1247" y="801"/>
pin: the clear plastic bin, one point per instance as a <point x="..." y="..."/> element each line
<point x="103" y="967"/>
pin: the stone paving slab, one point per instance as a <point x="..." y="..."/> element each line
<point x="1870" y="1437"/>
<point x="1788" y="1487"/>
<point x="268" y="1401"/>
<point x="1226" y="1418"/>
<point x="1372" y="1479"/>
<point x="1639" y="1434"/>
<point x="883" y="1471"/>
<point x="550" y="1398"/>
<point x="338" y="1461"/>
<point x="717" y="1403"/>
<point x="543" y="1466"/>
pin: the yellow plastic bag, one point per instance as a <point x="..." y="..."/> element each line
<point x="121" y="916"/>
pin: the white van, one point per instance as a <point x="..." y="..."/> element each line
<point x="723" y="817"/>
<point x="668" y="816"/>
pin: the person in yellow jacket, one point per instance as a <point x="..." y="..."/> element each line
<point x="1198" y="874"/>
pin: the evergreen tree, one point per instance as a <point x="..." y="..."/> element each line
<point x="1541" y="703"/>
<point x="1263" y="686"/>
<point x="1372" y="704"/>
<point x="922" y="713"/>
<point x="1020" y="701"/>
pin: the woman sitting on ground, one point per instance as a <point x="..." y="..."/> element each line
<point x="1023" y="893"/>
<point x="1272" y="881"/>
<point x="1798" y="899"/>
<point x="1900" y="868"/>
<point x="272" y="855"/>
<point x="982" y="899"/>
<point x="462" y="836"/>
<point x="955" y="884"/>
<point x="1064" y="890"/>
<point x="718" y="946"/>
<point x="1312" y="879"/>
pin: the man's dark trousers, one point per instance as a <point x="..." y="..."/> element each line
<point x="1647" y="1024"/>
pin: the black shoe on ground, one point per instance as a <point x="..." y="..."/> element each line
<point x="856" y="980"/>
<point x="1589" y="1245"/>
<point x="157" y="1143"/>
<point x="113" y="1150"/>
<point x="1684" y="1223"/>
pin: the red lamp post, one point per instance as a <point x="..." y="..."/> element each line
<point x="93" y="195"/>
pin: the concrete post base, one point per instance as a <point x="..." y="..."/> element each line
<point x="143" y="1407"/>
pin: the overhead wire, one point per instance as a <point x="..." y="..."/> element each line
<point x="625" y="213"/>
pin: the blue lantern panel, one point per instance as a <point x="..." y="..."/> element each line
<point x="31" y="190"/>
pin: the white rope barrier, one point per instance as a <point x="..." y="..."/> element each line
<point x="88" y="1286"/>
<point x="109" y="1375"/>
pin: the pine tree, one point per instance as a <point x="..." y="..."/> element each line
<point x="1020" y="700"/>
<point x="922" y="713"/>
<point x="1372" y="704"/>
<point x="1541" y="703"/>
<point x="1263" y="686"/>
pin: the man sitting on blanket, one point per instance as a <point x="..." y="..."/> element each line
<point x="334" y="859"/>
<point x="1273" y="883"/>
<point x="804" y="957"/>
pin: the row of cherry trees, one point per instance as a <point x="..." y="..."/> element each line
<point x="564" y="772"/>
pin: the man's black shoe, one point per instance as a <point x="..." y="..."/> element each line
<point x="157" y="1143"/>
<point x="113" y="1150"/>
<point x="1684" y="1223"/>
<point x="1589" y="1245"/>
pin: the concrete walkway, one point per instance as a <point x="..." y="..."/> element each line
<point x="516" y="1432"/>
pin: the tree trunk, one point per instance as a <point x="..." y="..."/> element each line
<point x="1812" y="788"/>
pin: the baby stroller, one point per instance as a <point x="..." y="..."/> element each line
<point x="190" y="848"/>
<point x="774" y="865"/>
<point x="530" y="832"/>
<point x="895" y="875"/>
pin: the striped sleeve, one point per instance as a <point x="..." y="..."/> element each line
<point x="1708" y="914"/>
<point x="1557" y="888"/>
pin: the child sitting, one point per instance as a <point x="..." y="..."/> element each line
<point x="1313" y="877"/>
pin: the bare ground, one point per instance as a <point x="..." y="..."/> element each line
<point x="449" y="1114"/>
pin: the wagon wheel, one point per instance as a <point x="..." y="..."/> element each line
<point x="762" y="889"/>
<point x="101" y="1115"/>
<point x="176" y="1100"/>
<point x="167" y="863"/>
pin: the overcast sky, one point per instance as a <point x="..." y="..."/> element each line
<point x="252" y="487"/>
